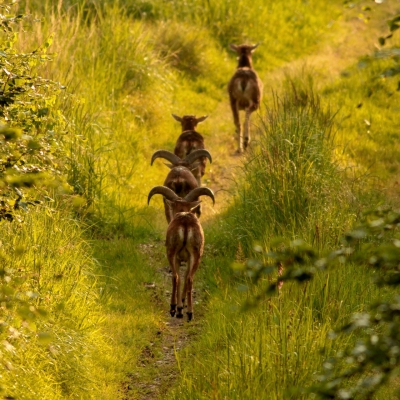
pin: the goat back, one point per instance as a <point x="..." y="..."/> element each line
<point x="187" y="142"/>
<point x="245" y="88"/>
<point x="181" y="180"/>
<point x="185" y="232"/>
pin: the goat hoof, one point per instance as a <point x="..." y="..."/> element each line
<point x="179" y="314"/>
<point x="238" y="152"/>
<point x="189" y="316"/>
<point x="173" y="309"/>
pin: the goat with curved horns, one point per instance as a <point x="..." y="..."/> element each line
<point x="184" y="242"/>
<point x="245" y="91"/>
<point x="180" y="179"/>
<point x="188" y="161"/>
<point x="191" y="140"/>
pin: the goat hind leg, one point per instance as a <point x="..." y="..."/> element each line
<point x="184" y="291"/>
<point x="247" y="128"/>
<point x="189" y="285"/>
<point x="175" y="281"/>
<point x="236" y="120"/>
<point x="175" y="284"/>
<point x="179" y="314"/>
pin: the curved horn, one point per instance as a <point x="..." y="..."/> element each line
<point x="200" y="191"/>
<point x="179" y="119"/>
<point x="194" y="155"/>
<point x="171" y="157"/>
<point x="201" y="119"/>
<point x="165" y="191"/>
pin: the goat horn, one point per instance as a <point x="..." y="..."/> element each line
<point x="165" y="191"/>
<point x="200" y="191"/>
<point x="179" y="119"/>
<point x="233" y="46"/>
<point x="171" y="157"/>
<point x="194" y="155"/>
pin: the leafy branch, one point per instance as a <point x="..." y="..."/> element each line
<point x="362" y="370"/>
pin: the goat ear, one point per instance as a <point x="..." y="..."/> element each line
<point x="179" y="119"/>
<point x="201" y="119"/>
<point x="194" y="205"/>
<point x="233" y="47"/>
<point x="170" y="166"/>
<point x="254" y="47"/>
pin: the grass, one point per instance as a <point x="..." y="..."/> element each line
<point x="290" y="181"/>
<point x="368" y="101"/>
<point x="128" y="66"/>
<point x="134" y="317"/>
<point x="56" y="307"/>
<point x="275" y="350"/>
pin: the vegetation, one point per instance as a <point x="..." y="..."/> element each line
<point x="87" y="89"/>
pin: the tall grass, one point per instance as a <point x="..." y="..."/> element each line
<point x="291" y="183"/>
<point x="51" y="341"/>
<point x="276" y="350"/>
<point x="297" y="24"/>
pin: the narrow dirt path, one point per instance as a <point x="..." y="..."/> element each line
<point x="159" y="358"/>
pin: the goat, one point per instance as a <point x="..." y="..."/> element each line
<point x="245" y="91"/>
<point x="184" y="243"/>
<point x="191" y="140"/>
<point x="180" y="179"/>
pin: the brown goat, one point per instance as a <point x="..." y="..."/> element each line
<point x="191" y="140"/>
<point x="184" y="242"/>
<point x="245" y="91"/>
<point x="180" y="179"/>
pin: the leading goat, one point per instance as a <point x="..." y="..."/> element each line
<point x="245" y="91"/>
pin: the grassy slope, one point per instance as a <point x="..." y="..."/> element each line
<point x="114" y="65"/>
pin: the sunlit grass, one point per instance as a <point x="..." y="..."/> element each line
<point x="49" y="264"/>
<point x="130" y="65"/>
<point x="276" y="350"/>
<point x="291" y="184"/>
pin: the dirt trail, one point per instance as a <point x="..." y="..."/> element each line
<point x="176" y="334"/>
<point x="159" y="358"/>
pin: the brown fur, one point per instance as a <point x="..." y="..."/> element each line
<point x="181" y="181"/>
<point x="189" y="141"/>
<point x="245" y="92"/>
<point x="185" y="244"/>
